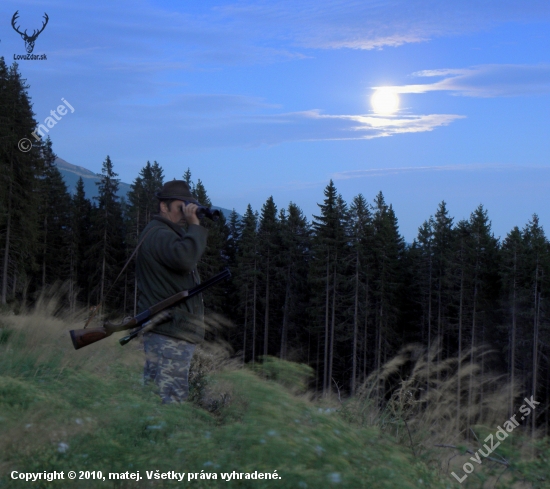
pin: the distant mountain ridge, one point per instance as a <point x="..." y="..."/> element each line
<point x="71" y="173"/>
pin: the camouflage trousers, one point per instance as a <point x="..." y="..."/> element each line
<point x="167" y="363"/>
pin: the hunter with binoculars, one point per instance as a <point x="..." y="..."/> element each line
<point x="167" y="264"/>
<point x="171" y="320"/>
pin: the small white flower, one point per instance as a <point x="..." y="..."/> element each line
<point x="335" y="477"/>
<point x="62" y="447"/>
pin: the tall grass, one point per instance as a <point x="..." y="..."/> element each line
<point x="444" y="410"/>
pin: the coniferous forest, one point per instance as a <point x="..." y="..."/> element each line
<point x="342" y="293"/>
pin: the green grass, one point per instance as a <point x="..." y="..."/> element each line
<point x="62" y="410"/>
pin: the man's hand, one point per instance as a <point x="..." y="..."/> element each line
<point x="190" y="213"/>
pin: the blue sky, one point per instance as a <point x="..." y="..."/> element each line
<point x="265" y="98"/>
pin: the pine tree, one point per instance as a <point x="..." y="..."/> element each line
<point x="142" y="205"/>
<point x="442" y="259"/>
<point x="461" y="271"/>
<point x="293" y="267"/>
<point x="268" y="238"/>
<point x="80" y="237"/>
<point x="19" y="172"/>
<point x="232" y="249"/>
<point x="513" y="255"/>
<point x="361" y="234"/>
<point x="479" y="287"/>
<point x="54" y="204"/>
<point x="246" y="280"/>
<point x="329" y="247"/>
<point x="214" y="258"/>
<point x="537" y="261"/>
<point x="388" y="248"/>
<point x="108" y="248"/>
<point x="425" y="275"/>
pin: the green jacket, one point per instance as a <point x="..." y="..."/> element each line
<point x="167" y="264"/>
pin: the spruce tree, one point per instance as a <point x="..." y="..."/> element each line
<point x="477" y="262"/>
<point x="142" y="205"/>
<point x="425" y="271"/>
<point x="268" y="239"/>
<point x="513" y="256"/>
<point x="108" y="236"/>
<point x="292" y="276"/>
<point x="329" y="249"/>
<point x="21" y="163"/>
<point x="388" y="248"/>
<point x="247" y="281"/>
<point x="80" y="238"/>
<point x="361" y="234"/>
<point x="442" y="259"/>
<point x="214" y="258"/>
<point x="53" y="210"/>
<point x="232" y="306"/>
<point x="537" y="264"/>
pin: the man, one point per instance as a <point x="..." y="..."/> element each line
<point x="167" y="264"/>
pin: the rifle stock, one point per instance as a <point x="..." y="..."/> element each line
<point x="85" y="337"/>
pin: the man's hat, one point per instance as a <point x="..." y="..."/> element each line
<point x="176" y="189"/>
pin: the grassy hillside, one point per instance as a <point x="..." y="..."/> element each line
<point x="86" y="410"/>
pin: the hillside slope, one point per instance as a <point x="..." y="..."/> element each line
<point x="86" y="411"/>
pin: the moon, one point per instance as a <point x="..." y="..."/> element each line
<point x="384" y="101"/>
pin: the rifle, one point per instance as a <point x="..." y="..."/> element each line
<point x="147" y="319"/>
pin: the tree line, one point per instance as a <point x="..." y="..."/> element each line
<point x="342" y="292"/>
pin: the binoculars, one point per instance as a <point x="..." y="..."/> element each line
<point x="203" y="211"/>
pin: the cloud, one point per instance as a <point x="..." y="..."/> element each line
<point x="199" y="107"/>
<point x="203" y="121"/>
<point x="504" y="80"/>
<point x="373" y="24"/>
<point x="382" y="172"/>
<point x="311" y="125"/>
<point x="404" y="170"/>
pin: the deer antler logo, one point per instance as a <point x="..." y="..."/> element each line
<point x="29" y="40"/>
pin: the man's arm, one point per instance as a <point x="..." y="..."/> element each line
<point x="181" y="254"/>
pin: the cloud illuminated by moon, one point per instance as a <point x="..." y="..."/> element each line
<point x="384" y="101"/>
